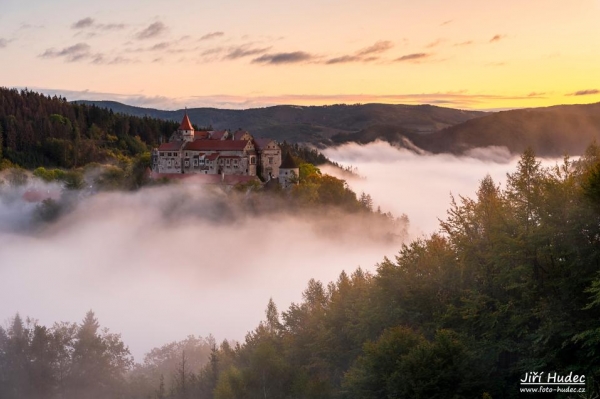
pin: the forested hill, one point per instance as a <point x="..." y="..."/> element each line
<point x="551" y="131"/>
<point x="311" y="124"/>
<point x="36" y="130"/>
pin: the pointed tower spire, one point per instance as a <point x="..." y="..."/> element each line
<point x="185" y="123"/>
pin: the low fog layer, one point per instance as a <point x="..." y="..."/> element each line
<point x="162" y="263"/>
<point x="420" y="186"/>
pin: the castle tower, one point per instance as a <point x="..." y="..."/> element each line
<point x="288" y="171"/>
<point x="186" y="129"/>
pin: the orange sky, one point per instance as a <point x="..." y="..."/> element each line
<point x="241" y="54"/>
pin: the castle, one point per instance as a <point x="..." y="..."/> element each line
<point x="238" y="155"/>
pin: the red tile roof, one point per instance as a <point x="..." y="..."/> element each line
<point x="172" y="146"/>
<point x="216" y="145"/>
<point x="212" y="157"/>
<point x="201" y="135"/>
<point x="218" y="134"/>
<point x="185" y="123"/>
<point x="262" y="143"/>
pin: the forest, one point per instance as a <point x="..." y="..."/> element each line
<point x="510" y="284"/>
<point x="36" y="130"/>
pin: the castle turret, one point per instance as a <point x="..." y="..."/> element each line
<point x="186" y="130"/>
<point x="288" y="171"/>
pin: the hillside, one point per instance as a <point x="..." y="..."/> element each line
<point x="551" y="131"/>
<point x="36" y="130"/>
<point x="312" y="124"/>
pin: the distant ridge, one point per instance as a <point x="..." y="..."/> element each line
<point x="550" y="131"/>
<point x="310" y="124"/>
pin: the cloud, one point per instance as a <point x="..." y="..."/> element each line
<point x="366" y="54"/>
<point x="377" y="48"/>
<point x="212" y="35"/>
<point x="497" y="38"/>
<point x="344" y="59"/>
<point x="153" y="30"/>
<point x="536" y="94"/>
<point x="82" y="52"/>
<point x="434" y="43"/>
<point x="413" y="57"/>
<point x="76" y="52"/>
<point x="244" y="51"/>
<point x="83" y="23"/>
<point x="90" y="23"/>
<point x="459" y="99"/>
<point x="148" y="278"/>
<point x="111" y="26"/>
<point x="461" y="44"/>
<point x="284" y="58"/>
<point x="587" y="92"/>
<point x="446" y="22"/>
<point x="3" y="43"/>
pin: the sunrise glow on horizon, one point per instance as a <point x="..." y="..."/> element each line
<point x="232" y="54"/>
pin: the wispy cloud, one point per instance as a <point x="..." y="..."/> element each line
<point x="462" y="44"/>
<point x="366" y="54"/>
<point x="83" y="52"/>
<point x="90" y="23"/>
<point x="536" y="94"/>
<point x="3" y="43"/>
<point x="344" y="59"/>
<point x="460" y="99"/>
<point x="76" y="52"/>
<point x="83" y="23"/>
<point x="284" y="58"/>
<point x="415" y="57"/>
<point x="497" y="38"/>
<point x="446" y="22"/>
<point x="377" y="48"/>
<point x="587" y="92"/>
<point x="153" y="30"/>
<point x="244" y="51"/>
<point x="434" y="43"/>
<point x="212" y="35"/>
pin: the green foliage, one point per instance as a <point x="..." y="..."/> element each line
<point x="509" y="285"/>
<point x="67" y="360"/>
<point x="49" y="175"/>
<point x="73" y="180"/>
<point x="51" y="132"/>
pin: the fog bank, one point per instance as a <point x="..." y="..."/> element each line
<point x="162" y="263"/>
<point x="420" y="186"/>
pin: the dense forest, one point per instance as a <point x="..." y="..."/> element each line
<point x="36" y="130"/>
<point x="510" y="284"/>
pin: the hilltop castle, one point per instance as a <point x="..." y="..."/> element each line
<point x="238" y="155"/>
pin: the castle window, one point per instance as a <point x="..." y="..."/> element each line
<point x="228" y="161"/>
<point x="270" y="160"/>
<point x="252" y="160"/>
<point x="187" y="163"/>
<point x="195" y="162"/>
<point x="169" y="163"/>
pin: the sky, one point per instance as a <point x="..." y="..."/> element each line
<point x="244" y="54"/>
